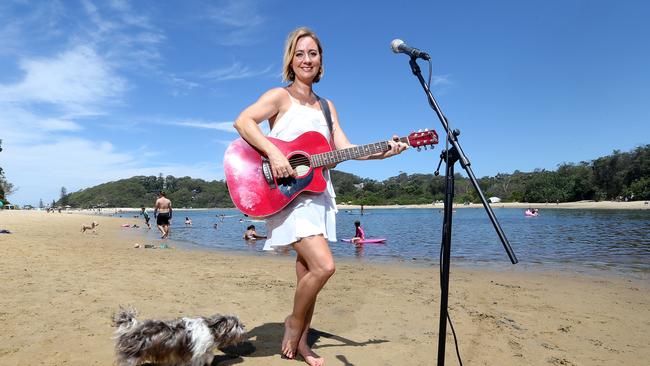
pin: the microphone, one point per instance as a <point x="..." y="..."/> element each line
<point x="398" y="46"/>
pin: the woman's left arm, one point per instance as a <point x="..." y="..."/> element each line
<point x="341" y="140"/>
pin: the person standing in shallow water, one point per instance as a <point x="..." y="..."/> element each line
<point x="163" y="213"/>
<point x="291" y="111"/>
<point x="144" y="214"/>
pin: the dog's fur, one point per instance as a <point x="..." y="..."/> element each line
<point x="90" y="226"/>
<point x="183" y="341"/>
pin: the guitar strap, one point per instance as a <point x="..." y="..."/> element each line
<point x="328" y="117"/>
<point x="326" y="111"/>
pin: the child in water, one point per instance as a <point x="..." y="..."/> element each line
<point x="251" y="234"/>
<point x="359" y="235"/>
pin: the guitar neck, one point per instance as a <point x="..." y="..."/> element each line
<point x="337" y="156"/>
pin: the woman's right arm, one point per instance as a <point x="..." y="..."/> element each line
<point x="247" y="124"/>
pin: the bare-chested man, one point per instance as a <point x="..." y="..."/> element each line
<point x="163" y="213"/>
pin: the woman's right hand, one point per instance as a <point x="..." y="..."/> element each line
<point x="280" y="166"/>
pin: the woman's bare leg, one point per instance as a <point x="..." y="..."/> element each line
<point x="303" y="347"/>
<point x="317" y="259"/>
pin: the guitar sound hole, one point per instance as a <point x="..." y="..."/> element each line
<point x="300" y="164"/>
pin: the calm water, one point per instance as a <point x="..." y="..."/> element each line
<point x="619" y="240"/>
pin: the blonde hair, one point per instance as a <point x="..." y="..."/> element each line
<point x="290" y="49"/>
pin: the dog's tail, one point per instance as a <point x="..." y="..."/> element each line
<point x="124" y="318"/>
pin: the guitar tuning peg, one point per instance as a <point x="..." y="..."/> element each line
<point x="419" y="148"/>
<point x="425" y="147"/>
<point x="426" y="130"/>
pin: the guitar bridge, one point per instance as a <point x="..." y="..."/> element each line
<point x="268" y="174"/>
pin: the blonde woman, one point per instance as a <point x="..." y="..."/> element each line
<point x="308" y="222"/>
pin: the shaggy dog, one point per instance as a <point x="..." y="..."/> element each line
<point x="90" y="226"/>
<point x="183" y="341"/>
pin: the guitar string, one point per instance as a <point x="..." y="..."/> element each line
<point x="357" y="150"/>
<point x="350" y="151"/>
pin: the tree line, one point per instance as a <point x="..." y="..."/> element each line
<point x="6" y="188"/>
<point x="620" y="175"/>
<point x="142" y="191"/>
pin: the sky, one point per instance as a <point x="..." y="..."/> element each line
<point x="96" y="91"/>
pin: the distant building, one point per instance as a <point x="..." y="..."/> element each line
<point x="494" y="199"/>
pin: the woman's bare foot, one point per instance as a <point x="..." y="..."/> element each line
<point x="310" y="357"/>
<point x="291" y="337"/>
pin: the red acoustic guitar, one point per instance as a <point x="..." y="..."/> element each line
<point x="257" y="193"/>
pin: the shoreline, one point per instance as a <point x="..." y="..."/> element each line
<point x="578" y="205"/>
<point x="62" y="286"/>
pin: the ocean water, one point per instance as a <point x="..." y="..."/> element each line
<point x="603" y="239"/>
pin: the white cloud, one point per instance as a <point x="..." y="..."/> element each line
<point x="53" y="124"/>
<point x="237" y="14"/>
<point x="22" y="126"/>
<point x="37" y="24"/>
<point x="70" y="70"/>
<point x="235" y="71"/>
<point x="75" y="81"/>
<point x="39" y="171"/>
<point x="441" y="80"/>
<point x="94" y="15"/>
<point x="180" y="86"/>
<point x="129" y="38"/>
<point x="41" y="115"/>
<point x="9" y="37"/>
<point x="130" y="16"/>
<point x="240" y="19"/>
<point x="220" y="126"/>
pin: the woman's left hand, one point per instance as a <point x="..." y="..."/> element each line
<point x="396" y="147"/>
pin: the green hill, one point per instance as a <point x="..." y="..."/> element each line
<point x="142" y="191"/>
<point x="616" y="176"/>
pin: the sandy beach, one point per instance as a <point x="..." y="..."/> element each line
<point x="60" y="287"/>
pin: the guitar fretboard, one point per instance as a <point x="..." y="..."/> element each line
<point x="337" y="156"/>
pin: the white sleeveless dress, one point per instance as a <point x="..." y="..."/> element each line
<point x="309" y="213"/>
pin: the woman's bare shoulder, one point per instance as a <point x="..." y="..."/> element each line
<point x="275" y="94"/>
<point x="276" y="97"/>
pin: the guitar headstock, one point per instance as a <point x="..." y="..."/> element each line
<point x="422" y="138"/>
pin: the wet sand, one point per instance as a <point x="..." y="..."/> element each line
<point x="60" y="288"/>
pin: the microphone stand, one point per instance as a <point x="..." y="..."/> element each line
<point x="451" y="156"/>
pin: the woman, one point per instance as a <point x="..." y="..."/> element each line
<point x="309" y="220"/>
